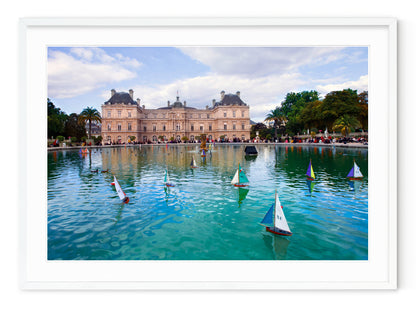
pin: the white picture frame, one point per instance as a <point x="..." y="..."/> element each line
<point x="378" y="272"/>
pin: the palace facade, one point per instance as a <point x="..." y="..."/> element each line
<point x="125" y="119"/>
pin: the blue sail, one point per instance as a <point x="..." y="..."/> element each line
<point x="351" y="173"/>
<point x="268" y="219"/>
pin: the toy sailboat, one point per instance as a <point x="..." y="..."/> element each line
<point x="167" y="181"/>
<point x="355" y="173"/>
<point x="275" y="220"/>
<point x="310" y="174"/>
<point x="193" y="163"/>
<point x="120" y="192"/>
<point x="240" y="179"/>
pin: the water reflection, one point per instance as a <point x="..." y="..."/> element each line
<point x="311" y="184"/>
<point x="277" y="244"/>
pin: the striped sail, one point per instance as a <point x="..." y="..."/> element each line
<point x="310" y="173"/>
<point x="120" y="192"/>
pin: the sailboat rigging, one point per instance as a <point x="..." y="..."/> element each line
<point x="275" y="220"/>
<point x="355" y="173"/>
<point x="240" y="179"/>
<point x="120" y="192"/>
<point x="167" y="181"/>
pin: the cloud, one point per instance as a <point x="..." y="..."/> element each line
<point x="262" y="94"/>
<point x="360" y="85"/>
<point x="85" y="69"/>
<point x="262" y="61"/>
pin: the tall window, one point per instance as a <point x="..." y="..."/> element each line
<point x="242" y="113"/>
<point x="119" y="126"/>
<point x="129" y="114"/>
<point x="233" y="113"/>
<point x="233" y="126"/>
<point x="119" y="113"/>
<point x="109" y="126"/>
<point x="210" y="127"/>
<point x="225" y="126"/>
<point x="201" y="127"/>
<point x="207" y="116"/>
<point x="164" y="127"/>
<point x="109" y="114"/>
<point x="192" y="127"/>
<point x="178" y="127"/>
<point x="242" y="126"/>
<point x="129" y="126"/>
<point x="225" y="114"/>
<point x="144" y="130"/>
<point x="154" y="127"/>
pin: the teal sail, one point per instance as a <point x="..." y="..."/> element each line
<point x="243" y="177"/>
<point x="268" y="219"/>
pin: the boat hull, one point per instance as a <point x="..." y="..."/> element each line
<point x="310" y="178"/>
<point x="355" y="178"/>
<point x="278" y="231"/>
<point x="240" y="185"/>
<point x="169" y="185"/>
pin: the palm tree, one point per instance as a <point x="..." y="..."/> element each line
<point x="277" y="116"/>
<point x="346" y="124"/>
<point x="89" y="114"/>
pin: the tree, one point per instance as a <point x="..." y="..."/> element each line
<point x="73" y="127"/>
<point x="337" y="104"/>
<point x="346" y="124"/>
<point x="89" y="114"/>
<point x="277" y="117"/>
<point x="292" y="107"/>
<point x="56" y="120"/>
<point x="363" y="109"/>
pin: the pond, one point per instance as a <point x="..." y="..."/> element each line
<point x="204" y="217"/>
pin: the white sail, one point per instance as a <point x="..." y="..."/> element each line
<point x="235" y="179"/>
<point x="120" y="192"/>
<point x="357" y="172"/>
<point x="279" y="218"/>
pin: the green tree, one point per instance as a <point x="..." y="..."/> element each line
<point x="89" y="114"/>
<point x="56" y="120"/>
<point x="292" y="108"/>
<point x="337" y="104"/>
<point x="363" y="106"/>
<point x="73" y="127"/>
<point x="346" y="124"/>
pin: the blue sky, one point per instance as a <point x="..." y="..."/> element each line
<point x="83" y="76"/>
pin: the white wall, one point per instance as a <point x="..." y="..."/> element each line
<point x="14" y="299"/>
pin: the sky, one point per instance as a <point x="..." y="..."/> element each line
<point x="80" y="77"/>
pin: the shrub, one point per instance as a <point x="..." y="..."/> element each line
<point x="74" y="139"/>
<point x="60" y="138"/>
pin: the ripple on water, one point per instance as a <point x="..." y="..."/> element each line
<point x="204" y="217"/>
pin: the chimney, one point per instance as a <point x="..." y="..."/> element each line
<point x="184" y="103"/>
<point x="138" y="101"/>
<point x="222" y="95"/>
<point x="131" y="92"/>
<point x="238" y="93"/>
<point x="207" y="107"/>
<point x="113" y="91"/>
<point x="213" y="102"/>
<point x="168" y="103"/>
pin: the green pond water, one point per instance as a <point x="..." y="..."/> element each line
<point x="204" y="217"/>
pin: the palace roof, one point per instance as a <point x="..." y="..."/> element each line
<point x="121" y="97"/>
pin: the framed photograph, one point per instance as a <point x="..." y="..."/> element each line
<point x="172" y="153"/>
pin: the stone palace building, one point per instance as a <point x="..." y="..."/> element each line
<point x="123" y="117"/>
